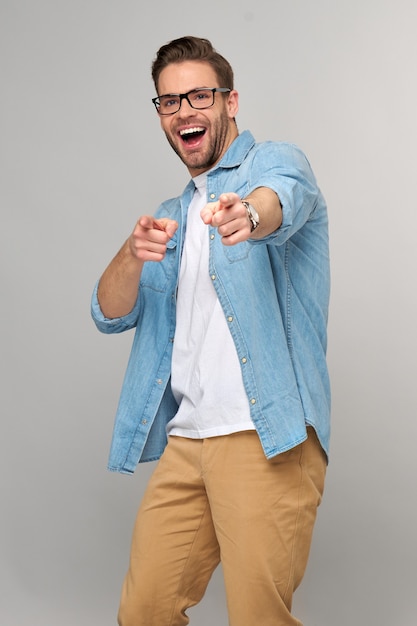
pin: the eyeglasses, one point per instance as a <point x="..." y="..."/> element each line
<point x="197" y="99"/>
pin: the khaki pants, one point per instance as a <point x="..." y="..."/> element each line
<point x="220" y="498"/>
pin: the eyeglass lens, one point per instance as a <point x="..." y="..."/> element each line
<point x="198" y="99"/>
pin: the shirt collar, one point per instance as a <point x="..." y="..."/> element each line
<point x="237" y="150"/>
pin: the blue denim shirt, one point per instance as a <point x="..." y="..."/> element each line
<point x="274" y="293"/>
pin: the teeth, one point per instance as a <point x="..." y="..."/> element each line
<point x="188" y="131"/>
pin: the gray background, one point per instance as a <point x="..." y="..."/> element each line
<point x="82" y="156"/>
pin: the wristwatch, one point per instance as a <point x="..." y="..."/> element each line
<point x="252" y="215"/>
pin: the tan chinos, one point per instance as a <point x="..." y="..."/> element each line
<point x="221" y="499"/>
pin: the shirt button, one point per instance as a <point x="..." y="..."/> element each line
<point x="213" y="277"/>
<point x="159" y="381"/>
<point x="253" y="401"/>
<point x="212" y="196"/>
<point x="212" y="236"/>
<point x="244" y="359"/>
<point x="230" y="318"/>
<point x="144" y="422"/>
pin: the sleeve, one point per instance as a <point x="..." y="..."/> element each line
<point x="116" y="325"/>
<point x="284" y="168"/>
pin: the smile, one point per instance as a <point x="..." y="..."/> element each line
<point x="192" y="134"/>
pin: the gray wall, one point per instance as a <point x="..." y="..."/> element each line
<point x="82" y="156"/>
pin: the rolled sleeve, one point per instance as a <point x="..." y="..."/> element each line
<point x="288" y="174"/>
<point x="114" y="325"/>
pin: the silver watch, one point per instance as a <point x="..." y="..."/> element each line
<point x="252" y="215"/>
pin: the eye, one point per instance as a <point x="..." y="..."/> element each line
<point x="169" y="101"/>
<point x="201" y="95"/>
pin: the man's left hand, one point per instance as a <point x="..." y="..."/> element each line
<point x="230" y="217"/>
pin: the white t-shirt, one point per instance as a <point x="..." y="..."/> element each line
<point x="206" y="377"/>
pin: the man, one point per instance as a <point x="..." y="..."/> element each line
<point x="228" y="289"/>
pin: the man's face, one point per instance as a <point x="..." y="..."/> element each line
<point x="199" y="137"/>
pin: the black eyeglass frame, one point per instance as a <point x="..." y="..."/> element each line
<point x="184" y="96"/>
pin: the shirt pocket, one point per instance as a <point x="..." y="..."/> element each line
<point x="236" y="253"/>
<point x="159" y="275"/>
<point x="240" y="251"/>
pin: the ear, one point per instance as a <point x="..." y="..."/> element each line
<point x="233" y="103"/>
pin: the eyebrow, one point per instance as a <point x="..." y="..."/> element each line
<point x="177" y="93"/>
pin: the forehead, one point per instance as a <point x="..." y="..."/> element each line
<point x="185" y="76"/>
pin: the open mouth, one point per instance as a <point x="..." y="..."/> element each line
<point x="192" y="135"/>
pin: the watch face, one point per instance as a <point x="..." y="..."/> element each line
<point x="252" y="215"/>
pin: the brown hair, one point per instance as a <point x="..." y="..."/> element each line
<point x="192" y="49"/>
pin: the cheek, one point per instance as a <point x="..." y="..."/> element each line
<point x="165" y="125"/>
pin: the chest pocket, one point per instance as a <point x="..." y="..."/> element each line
<point x="236" y="253"/>
<point x="240" y="251"/>
<point x="160" y="275"/>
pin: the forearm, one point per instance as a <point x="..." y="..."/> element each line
<point x="118" y="286"/>
<point x="268" y="206"/>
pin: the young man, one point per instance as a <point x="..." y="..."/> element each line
<point x="228" y="287"/>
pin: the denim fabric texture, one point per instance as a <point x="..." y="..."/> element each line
<point x="274" y="293"/>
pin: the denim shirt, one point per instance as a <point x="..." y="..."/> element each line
<point x="274" y="293"/>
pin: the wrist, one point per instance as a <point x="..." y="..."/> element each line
<point x="253" y="215"/>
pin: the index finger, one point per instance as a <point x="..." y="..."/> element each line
<point x="148" y="222"/>
<point x="227" y="200"/>
<point x="164" y="224"/>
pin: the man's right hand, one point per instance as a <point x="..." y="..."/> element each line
<point x="149" y="239"/>
<point x="118" y="286"/>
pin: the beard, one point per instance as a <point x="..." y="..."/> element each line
<point x="204" y="158"/>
